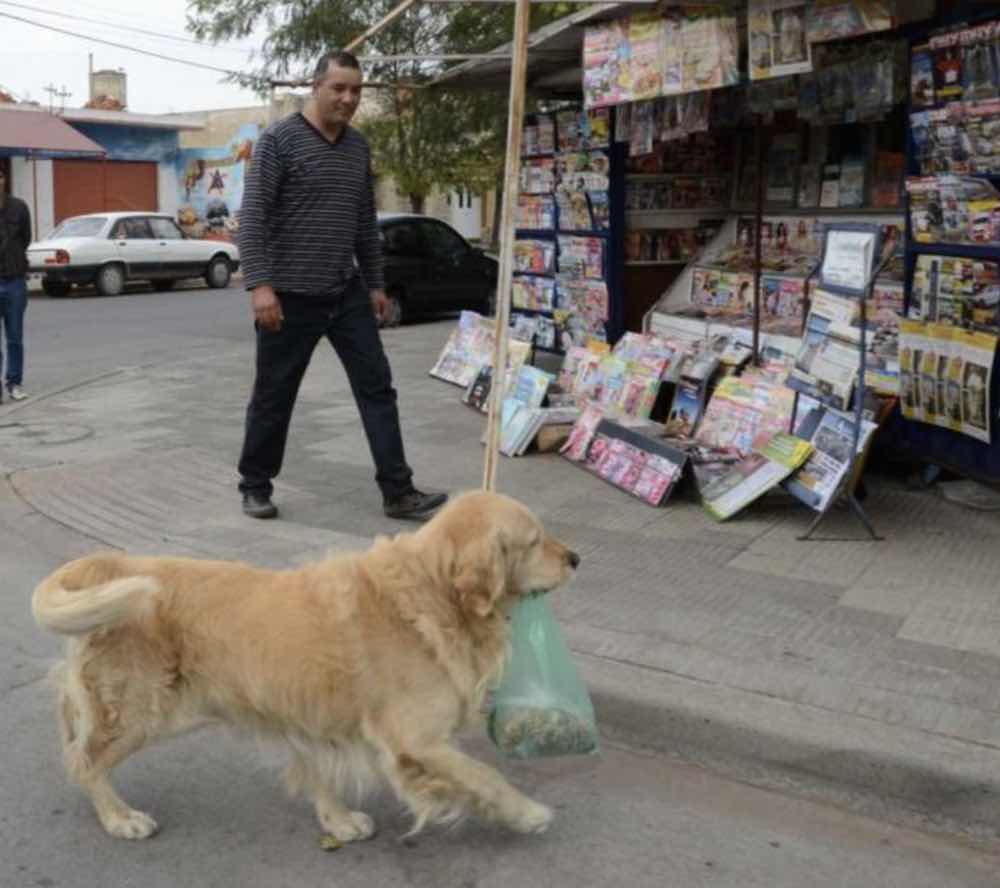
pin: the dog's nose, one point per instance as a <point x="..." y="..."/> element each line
<point x="574" y="560"/>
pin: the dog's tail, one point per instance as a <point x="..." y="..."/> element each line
<point x="89" y="594"/>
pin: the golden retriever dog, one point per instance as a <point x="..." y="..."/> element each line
<point x="364" y="664"/>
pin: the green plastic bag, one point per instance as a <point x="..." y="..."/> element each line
<point x="541" y="708"/>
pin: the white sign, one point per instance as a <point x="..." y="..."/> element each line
<point x="847" y="260"/>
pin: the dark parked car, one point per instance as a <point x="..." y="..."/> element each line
<point x="430" y="268"/>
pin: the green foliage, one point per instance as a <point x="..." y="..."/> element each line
<point x="422" y="137"/>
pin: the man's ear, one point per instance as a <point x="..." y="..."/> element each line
<point x="480" y="575"/>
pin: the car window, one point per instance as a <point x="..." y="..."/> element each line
<point x="89" y="226"/>
<point x="165" y="229"/>
<point x="442" y="242"/>
<point x="131" y="229"/>
<point x="402" y="240"/>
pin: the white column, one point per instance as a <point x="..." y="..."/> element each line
<point x="32" y="182"/>
<point x="167" y="188"/>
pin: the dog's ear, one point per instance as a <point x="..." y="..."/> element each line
<point x="480" y="575"/>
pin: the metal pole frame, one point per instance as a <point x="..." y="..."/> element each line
<point x="846" y="491"/>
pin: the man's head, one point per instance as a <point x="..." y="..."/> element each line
<point x="337" y="88"/>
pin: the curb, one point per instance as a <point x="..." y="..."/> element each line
<point x="921" y="780"/>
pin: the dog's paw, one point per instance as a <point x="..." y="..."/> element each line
<point x="353" y="826"/>
<point x="133" y="825"/>
<point x="533" y="818"/>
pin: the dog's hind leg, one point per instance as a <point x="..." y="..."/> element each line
<point x="441" y="785"/>
<point x="92" y="747"/>
<point x="318" y="773"/>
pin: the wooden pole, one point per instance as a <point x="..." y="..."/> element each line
<point x="758" y="234"/>
<point x="511" y="188"/>
<point x="380" y="25"/>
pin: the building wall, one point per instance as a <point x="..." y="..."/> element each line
<point x="23" y="185"/>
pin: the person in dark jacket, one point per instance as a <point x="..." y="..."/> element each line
<point x="312" y="261"/>
<point x="15" y="235"/>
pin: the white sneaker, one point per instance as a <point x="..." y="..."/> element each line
<point x="16" y="393"/>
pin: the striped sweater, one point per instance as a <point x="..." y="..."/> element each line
<point x="308" y="211"/>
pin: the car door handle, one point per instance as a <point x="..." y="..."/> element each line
<point x="122" y="243"/>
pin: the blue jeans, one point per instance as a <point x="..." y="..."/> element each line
<point x="13" y="302"/>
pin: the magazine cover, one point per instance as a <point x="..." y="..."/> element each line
<point x="743" y="413"/>
<point x="851" y="193"/>
<point x="838" y="19"/>
<point x="777" y="38"/>
<point x="477" y="395"/>
<point x="469" y="346"/>
<point x="922" y="78"/>
<point x="582" y="434"/>
<point x="685" y="410"/>
<point x="581" y="257"/>
<point x="533" y="293"/>
<point x="752" y="477"/>
<point x="646" y="74"/>
<point x="536" y="212"/>
<point x="783" y="160"/>
<point x="534" y="256"/>
<point x="826" y="367"/>
<point x="531" y="386"/>
<point x="887" y="188"/>
<point x="574" y="211"/>
<point x="546" y="134"/>
<point x="606" y="70"/>
<point x="810" y="181"/>
<point x="822" y="475"/>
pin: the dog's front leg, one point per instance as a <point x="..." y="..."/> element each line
<point x="441" y="784"/>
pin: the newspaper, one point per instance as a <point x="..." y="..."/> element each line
<point x="826" y="367"/>
<point x="945" y="377"/>
<point x="743" y="413"/>
<point x="755" y="475"/>
<point x="822" y="476"/>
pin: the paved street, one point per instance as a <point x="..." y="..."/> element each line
<point x="859" y="674"/>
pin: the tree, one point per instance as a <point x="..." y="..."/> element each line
<point x="422" y="137"/>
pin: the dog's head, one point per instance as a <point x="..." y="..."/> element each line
<point x="497" y="551"/>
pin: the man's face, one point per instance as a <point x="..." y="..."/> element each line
<point x="338" y="95"/>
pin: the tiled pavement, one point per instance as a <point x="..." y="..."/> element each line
<point x="885" y="655"/>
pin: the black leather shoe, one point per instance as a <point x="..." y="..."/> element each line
<point x="257" y="505"/>
<point x="415" y="506"/>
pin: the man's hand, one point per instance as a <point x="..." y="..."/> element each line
<point x="266" y="308"/>
<point x="381" y="305"/>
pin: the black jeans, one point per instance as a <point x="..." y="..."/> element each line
<point x="348" y="321"/>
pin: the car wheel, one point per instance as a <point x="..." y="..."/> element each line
<point x="394" y="316"/>
<point x="110" y="280"/>
<point x="218" y="273"/>
<point x="56" y="289"/>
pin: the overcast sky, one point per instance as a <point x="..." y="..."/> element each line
<point x="31" y="58"/>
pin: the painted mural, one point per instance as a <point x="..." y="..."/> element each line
<point x="211" y="185"/>
<point x="132" y="142"/>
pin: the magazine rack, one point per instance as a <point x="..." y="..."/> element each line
<point x="849" y="482"/>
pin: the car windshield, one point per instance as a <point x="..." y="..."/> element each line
<point x="88" y="226"/>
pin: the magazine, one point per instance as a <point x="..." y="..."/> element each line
<point x="574" y="211"/>
<point x="469" y="346"/>
<point x="581" y="257"/>
<point x="851" y="192"/>
<point x="534" y="256"/>
<point x="838" y="19"/>
<point x="777" y="38"/>
<point x="536" y="212"/>
<point x="582" y="434"/>
<point x="822" y="475"/>
<point x="636" y="463"/>
<point x="826" y="367"/>
<point x="945" y="377"/>
<point x="744" y="412"/>
<point x="533" y="293"/>
<point x="956" y="290"/>
<point x="752" y="477"/>
<point x="810" y="181"/>
<point x="477" y="395"/>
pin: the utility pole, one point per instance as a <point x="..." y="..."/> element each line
<point x="62" y="94"/>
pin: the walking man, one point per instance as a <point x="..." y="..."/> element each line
<point x="15" y="235"/>
<point x="312" y="260"/>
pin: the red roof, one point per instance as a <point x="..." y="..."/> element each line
<point x="38" y="132"/>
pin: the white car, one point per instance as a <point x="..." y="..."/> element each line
<point x="109" y="249"/>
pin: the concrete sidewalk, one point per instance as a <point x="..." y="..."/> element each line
<point x="860" y="672"/>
